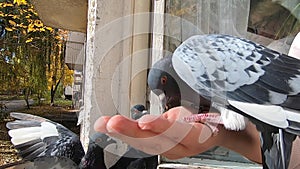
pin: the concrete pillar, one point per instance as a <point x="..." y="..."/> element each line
<point x="116" y="53"/>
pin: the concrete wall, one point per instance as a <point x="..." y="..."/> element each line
<point x="75" y="50"/>
<point x="117" y="53"/>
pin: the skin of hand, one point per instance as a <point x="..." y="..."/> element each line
<point x="170" y="136"/>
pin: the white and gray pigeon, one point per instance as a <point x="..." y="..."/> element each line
<point x="241" y="80"/>
<point x="43" y="143"/>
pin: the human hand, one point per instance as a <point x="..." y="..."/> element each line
<point x="166" y="134"/>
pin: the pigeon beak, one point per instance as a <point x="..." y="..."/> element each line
<point x="162" y="98"/>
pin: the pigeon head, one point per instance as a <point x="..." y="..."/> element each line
<point x="171" y="89"/>
<point x="138" y="108"/>
<point x="138" y="111"/>
<point x="94" y="157"/>
<point x="163" y="81"/>
<point x="101" y="140"/>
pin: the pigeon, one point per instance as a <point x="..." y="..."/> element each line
<point x="240" y="79"/>
<point x="39" y="139"/>
<point x="137" y="111"/>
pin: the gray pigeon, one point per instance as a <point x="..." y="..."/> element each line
<point x="137" y="111"/>
<point x="241" y="80"/>
<point x="39" y="139"/>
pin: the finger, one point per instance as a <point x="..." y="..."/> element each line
<point x="129" y="132"/>
<point x="172" y="125"/>
<point x="171" y="142"/>
<point x="184" y="139"/>
<point x="100" y="124"/>
<point x="121" y="125"/>
<point x="161" y="123"/>
<point x="153" y="143"/>
<point x="190" y="145"/>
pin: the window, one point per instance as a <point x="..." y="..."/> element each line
<point x="260" y="21"/>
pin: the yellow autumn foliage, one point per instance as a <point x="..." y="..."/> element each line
<point x="16" y="20"/>
<point x="20" y="2"/>
<point x="38" y="44"/>
<point x="30" y="28"/>
<point x="12" y="23"/>
<point x="9" y="29"/>
<point x="38" y="23"/>
<point x="3" y="5"/>
<point x="49" y="28"/>
<point x="29" y="40"/>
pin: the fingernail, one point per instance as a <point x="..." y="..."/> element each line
<point x="110" y="129"/>
<point x="100" y="125"/>
<point x="144" y="122"/>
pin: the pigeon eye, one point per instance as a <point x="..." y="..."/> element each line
<point x="163" y="80"/>
<point x="98" y="140"/>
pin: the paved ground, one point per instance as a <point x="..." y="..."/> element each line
<point x="14" y="105"/>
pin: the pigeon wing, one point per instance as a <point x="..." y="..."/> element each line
<point x="227" y="67"/>
<point x="35" y="137"/>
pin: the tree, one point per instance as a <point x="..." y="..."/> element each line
<point x="56" y="69"/>
<point x="28" y="51"/>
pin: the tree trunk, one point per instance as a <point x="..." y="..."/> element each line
<point x="26" y="93"/>
<point x="53" y="91"/>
